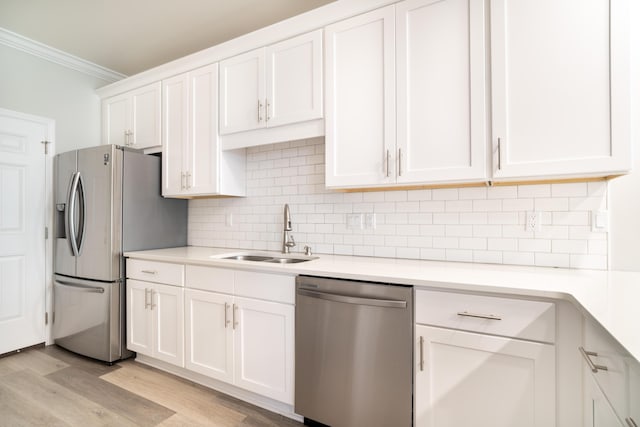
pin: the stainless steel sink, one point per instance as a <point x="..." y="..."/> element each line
<point x="286" y="260"/>
<point x="249" y="257"/>
<point x="267" y="258"/>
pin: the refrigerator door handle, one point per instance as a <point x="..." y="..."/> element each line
<point x="83" y="211"/>
<point x="80" y="287"/>
<point x="71" y="208"/>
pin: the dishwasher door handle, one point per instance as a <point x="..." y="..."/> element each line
<point x="353" y="300"/>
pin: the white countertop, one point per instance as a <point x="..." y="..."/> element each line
<point x="611" y="298"/>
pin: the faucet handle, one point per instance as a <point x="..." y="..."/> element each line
<point x="307" y="250"/>
<point x="291" y="242"/>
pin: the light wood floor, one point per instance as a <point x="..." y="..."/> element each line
<point x="53" y="387"/>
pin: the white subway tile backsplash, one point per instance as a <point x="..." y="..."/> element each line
<point x="470" y="224"/>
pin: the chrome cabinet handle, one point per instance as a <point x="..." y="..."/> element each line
<point x="267" y="105"/>
<point x="631" y="422"/>
<point x="182" y="179"/>
<point x="386" y="164"/>
<point x="499" y="154"/>
<point x="235" y="322"/>
<point x="188" y="180"/>
<point x="149" y="271"/>
<point x="226" y="320"/>
<point x="146" y="298"/>
<point x="421" y="353"/>
<point x="587" y="357"/>
<point x="259" y="111"/>
<point x="399" y="161"/>
<point x="479" y="316"/>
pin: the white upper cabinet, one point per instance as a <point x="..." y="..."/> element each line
<point x="421" y="59"/>
<point x="133" y="118"/>
<point x="193" y="164"/>
<point x="360" y="118"/>
<point x="272" y="86"/>
<point x="441" y="121"/>
<point x="560" y="88"/>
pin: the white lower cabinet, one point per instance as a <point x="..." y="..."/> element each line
<point x="612" y="381"/>
<point x="155" y="320"/>
<point x="247" y="342"/>
<point x="263" y="348"/>
<point x="467" y="374"/>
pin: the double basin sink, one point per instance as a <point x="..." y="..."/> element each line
<point x="268" y="258"/>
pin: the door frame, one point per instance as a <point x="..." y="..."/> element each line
<point x="48" y="205"/>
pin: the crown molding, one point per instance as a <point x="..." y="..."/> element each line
<point x="51" y="54"/>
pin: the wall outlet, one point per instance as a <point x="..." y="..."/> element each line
<point x="600" y="221"/>
<point x="370" y="221"/>
<point x="533" y="221"/>
<point x="354" y="221"/>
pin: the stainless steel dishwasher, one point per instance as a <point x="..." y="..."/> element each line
<point x="354" y="353"/>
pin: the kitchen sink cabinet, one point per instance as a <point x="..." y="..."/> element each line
<point x="244" y="341"/>
<point x="155" y="321"/>
<point x="272" y="86"/>
<point x="495" y="356"/>
<point x="560" y="83"/>
<point x="193" y="163"/>
<point x="612" y="380"/>
<point x="132" y="119"/>
<point x="405" y="95"/>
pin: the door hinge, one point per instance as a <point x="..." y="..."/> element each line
<point x="46" y="233"/>
<point x="46" y="318"/>
<point x="46" y="146"/>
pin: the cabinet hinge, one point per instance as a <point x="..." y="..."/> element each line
<point x="46" y="318"/>
<point x="46" y="146"/>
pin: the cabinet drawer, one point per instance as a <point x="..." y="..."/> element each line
<point x="210" y="279"/>
<point x="158" y="272"/>
<point x="531" y="320"/>
<point x="271" y="287"/>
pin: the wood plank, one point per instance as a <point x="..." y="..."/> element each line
<point x="135" y="408"/>
<point x="87" y="364"/>
<point x="61" y="402"/>
<point x="181" y="420"/>
<point x="197" y="403"/>
<point x="16" y="411"/>
<point x="35" y="360"/>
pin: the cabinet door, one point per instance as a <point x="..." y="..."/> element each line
<point x="115" y="119"/>
<point x="440" y="87"/>
<point x="560" y="87"/>
<point x="597" y="410"/>
<point x="634" y="393"/>
<point x="482" y="380"/>
<point x="139" y="319"/>
<point x="263" y="348"/>
<point x="202" y="164"/>
<point x="145" y="116"/>
<point x="168" y="319"/>
<point x="242" y="92"/>
<point x="175" y="134"/>
<point x="360" y="100"/>
<point x="294" y="80"/>
<point x="209" y="334"/>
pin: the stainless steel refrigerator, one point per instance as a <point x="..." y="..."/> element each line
<point x="107" y="201"/>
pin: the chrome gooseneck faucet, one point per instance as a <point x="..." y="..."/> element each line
<point x="287" y="238"/>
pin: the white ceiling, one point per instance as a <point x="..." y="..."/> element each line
<point x="130" y="36"/>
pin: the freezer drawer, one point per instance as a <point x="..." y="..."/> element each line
<point x="87" y="317"/>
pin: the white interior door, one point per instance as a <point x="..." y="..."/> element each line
<point x="22" y="230"/>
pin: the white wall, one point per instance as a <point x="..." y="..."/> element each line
<point x="474" y="224"/>
<point x="624" y="194"/>
<point x="32" y="85"/>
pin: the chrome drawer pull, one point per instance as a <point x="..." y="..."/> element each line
<point x="226" y="320"/>
<point x="587" y="357"/>
<point x="150" y="271"/>
<point x="421" y="353"/>
<point x="479" y="316"/>
<point x="235" y="322"/>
